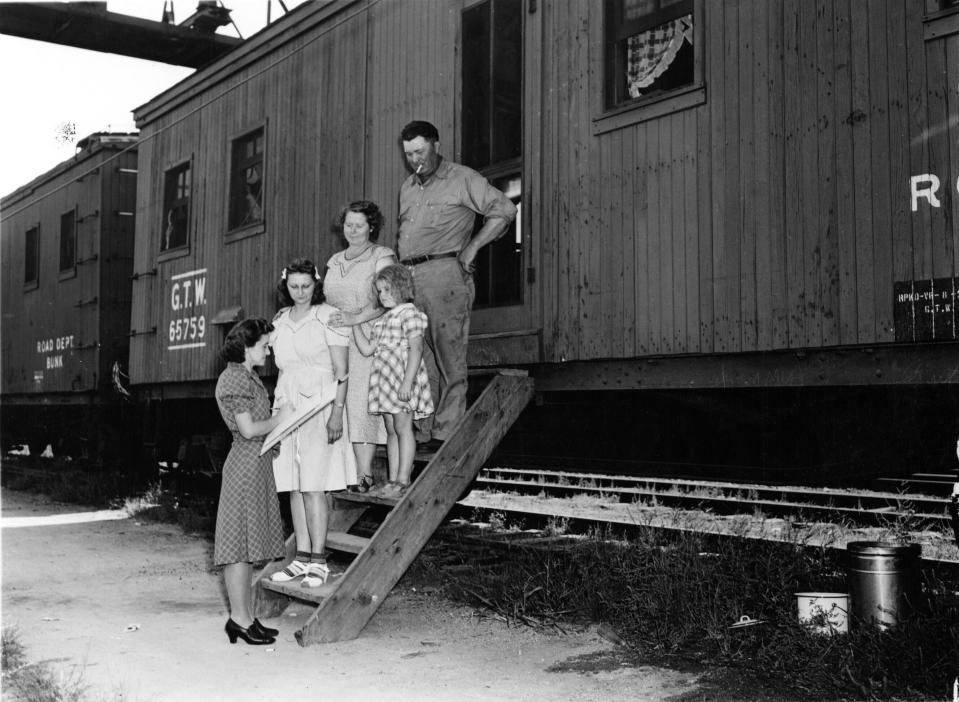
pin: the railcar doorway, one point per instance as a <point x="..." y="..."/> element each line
<point x="493" y="140"/>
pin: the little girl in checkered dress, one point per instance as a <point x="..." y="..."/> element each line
<point x="399" y="385"/>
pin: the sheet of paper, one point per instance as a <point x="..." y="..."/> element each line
<point x="307" y="408"/>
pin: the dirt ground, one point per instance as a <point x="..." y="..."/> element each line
<point x="136" y="611"/>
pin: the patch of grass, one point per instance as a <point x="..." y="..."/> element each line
<point x="12" y="652"/>
<point x="194" y="513"/>
<point x="76" y="482"/>
<point x="37" y="682"/>
<point x="676" y="594"/>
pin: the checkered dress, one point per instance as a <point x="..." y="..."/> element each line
<point x="391" y="335"/>
<point x="248" y="525"/>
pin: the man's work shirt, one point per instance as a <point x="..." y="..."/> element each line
<point x="437" y="217"/>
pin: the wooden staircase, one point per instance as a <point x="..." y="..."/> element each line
<point x="346" y="603"/>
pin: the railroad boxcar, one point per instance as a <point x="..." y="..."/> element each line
<point x="68" y="239"/>
<point x="713" y="194"/>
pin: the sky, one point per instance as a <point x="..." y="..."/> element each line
<point x="58" y="89"/>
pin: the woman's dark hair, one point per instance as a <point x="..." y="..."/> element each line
<point x="300" y="265"/>
<point x="242" y="336"/>
<point x="400" y="280"/>
<point x="368" y="209"/>
<point x="419" y="128"/>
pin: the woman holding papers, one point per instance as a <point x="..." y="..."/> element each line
<point x="317" y="456"/>
<point x="248" y="525"/>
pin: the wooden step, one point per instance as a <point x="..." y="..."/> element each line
<point x="420" y="456"/>
<point x="346" y="603"/>
<point x="415" y="516"/>
<point x="294" y="588"/>
<point x="349" y="543"/>
<point x="361" y="498"/>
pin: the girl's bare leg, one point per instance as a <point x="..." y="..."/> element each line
<point x="403" y="424"/>
<point x="392" y="447"/>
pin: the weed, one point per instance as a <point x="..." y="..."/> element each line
<point x="557" y="526"/>
<point x="194" y="513"/>
<point x="12" y="653"/>
<point x="496" y="521"/>
<point x="38" y="682"/>
<point x="148" y="500"/>
<point x="669" y="593"/>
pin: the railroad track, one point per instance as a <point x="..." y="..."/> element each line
<point x="861" y="507"/>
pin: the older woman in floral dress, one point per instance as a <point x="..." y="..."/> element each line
<point x="348" y="286"/>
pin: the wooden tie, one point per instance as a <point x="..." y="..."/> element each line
<point x="346" y="603"/>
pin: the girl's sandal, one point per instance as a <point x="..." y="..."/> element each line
<point x="365" y="485"/>
<point x="394" y="490"/>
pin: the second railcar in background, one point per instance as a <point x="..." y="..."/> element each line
<point x="68" y="240"/>
<point x="713" y="195"/>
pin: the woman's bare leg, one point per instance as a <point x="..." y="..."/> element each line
<point x="364" y="453"/>
<point x="301" y="529"/>
<point x="238" y="579"/>
<point x="317" y="519"/>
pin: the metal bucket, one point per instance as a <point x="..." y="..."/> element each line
<point x="883" y="581"/>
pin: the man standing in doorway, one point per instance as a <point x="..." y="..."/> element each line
<point x="438" y="205"/>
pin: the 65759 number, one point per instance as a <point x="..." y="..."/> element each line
<point x="187" y="328"/>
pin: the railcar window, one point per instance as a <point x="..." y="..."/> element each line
<point x="68" y="242"/>
<point x="492" y="134"/>
<point x="176" y="207"/>
<point x="31" y="257"/>
<point x="246" y="180"/>
<point x="649" y="49"/>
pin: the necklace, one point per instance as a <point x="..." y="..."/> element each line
<point x="369" y="245"/>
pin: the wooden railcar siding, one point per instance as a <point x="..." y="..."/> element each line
<point x="309" y="97"/>
<point x="773" y="215"/>
<point x="793" y="220"/>
<point x="63" y="337"/>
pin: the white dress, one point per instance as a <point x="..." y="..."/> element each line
<point x="307" y="461"/>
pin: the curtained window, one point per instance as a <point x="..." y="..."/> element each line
<point x="650" y="49"/>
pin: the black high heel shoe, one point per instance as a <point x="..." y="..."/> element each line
<point x="265" y="630"/>
<point x="250" y="634"/>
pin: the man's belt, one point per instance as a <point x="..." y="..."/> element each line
<point x="416" y="260"/>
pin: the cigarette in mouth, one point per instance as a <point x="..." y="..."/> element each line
<point x="419" y="168"/>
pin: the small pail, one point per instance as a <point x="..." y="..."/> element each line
<point x="823" y="612"/>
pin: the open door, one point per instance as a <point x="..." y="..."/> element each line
<point x="505" y="328"/>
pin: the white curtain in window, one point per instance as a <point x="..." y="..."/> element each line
<point x="650" y="53"/>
